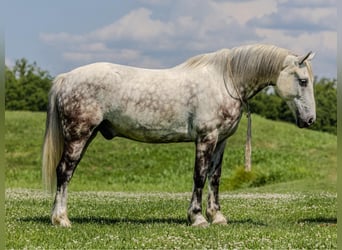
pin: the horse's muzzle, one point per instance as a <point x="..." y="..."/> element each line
<point x="305" y="123"/>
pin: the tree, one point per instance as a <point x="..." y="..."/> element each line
<point x="326" y="105"/>
<point x="27" y="87"/>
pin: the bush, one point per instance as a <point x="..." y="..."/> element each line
<point x="27" y="87"/>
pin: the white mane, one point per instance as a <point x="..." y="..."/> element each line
<point x="217" y="59"/>
<point x="243" y="63"/>
<point x="262" y="61"/>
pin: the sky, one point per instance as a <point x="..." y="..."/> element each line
<point x="62" y="35"/>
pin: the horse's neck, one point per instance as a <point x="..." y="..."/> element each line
<point x="253" y="84"/>
<point x="254" y="89"/>
<point x="252" y="68"/>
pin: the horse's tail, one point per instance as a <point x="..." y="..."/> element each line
<point x="54" y="140"/>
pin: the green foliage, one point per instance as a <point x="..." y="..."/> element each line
<point x="240" y="178"/>
<point x="271" y="106"/>
<point x="27" y="87"/>
<point x="326" y="105"/>
<point x="261" y="176"/>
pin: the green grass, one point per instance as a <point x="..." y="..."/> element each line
<point x="103" y="220"/>
<point x="126" y="194"/>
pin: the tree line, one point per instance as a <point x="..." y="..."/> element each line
<point x="27" y="87"/>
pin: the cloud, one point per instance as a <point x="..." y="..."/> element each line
<point x="61" y="37"/>
<point x="323" y="43"/>
<point x="308" y="3"/>
<point x="304" y="16"/>
<point x="164" y="33"/>
<point x="94" y="47"/>
<point x="139" y="30"/>
<point x="243" y="11"/>
<point x="302" y="26"/>
<point x="9" y="62"/>
<point x="136" y="25"/>
<point x="188" y="31"/>
<point x="88" y="53"/>
<point x="155" y="2"/>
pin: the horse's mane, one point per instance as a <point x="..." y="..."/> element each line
<point x="245" y="62"/>
<point x="260" y="60"/>
<point x="217" y="59"/>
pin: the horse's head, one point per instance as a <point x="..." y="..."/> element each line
<point x="295" y="86"/>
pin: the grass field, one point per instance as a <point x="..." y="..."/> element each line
<point x="157" y="220"/>
<point x="131" y="195"/>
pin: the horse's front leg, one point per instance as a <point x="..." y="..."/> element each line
<point x="205" y="147"/>
<point x="214" y="173"/>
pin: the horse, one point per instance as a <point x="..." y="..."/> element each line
<point x="200" y="100"/>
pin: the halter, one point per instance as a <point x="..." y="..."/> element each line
<point x="248" y="145"/>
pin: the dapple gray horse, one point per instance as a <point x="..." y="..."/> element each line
<point x="200" y="100"/>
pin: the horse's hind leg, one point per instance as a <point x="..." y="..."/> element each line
<point x="72" y="154"/>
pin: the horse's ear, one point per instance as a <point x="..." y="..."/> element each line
<point x="309" y="56"/>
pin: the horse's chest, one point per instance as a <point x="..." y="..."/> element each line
<point x="229" y="117"/>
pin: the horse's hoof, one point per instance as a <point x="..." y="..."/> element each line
<point x="61" y="220"/>
<point x="199" y="221"/>
<point x="219" y="219"/>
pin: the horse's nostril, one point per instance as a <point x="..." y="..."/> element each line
<point x="310" y="121"/>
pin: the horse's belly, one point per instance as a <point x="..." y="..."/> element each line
<point x="151" y="130"/>
<point x="157" y="136"/>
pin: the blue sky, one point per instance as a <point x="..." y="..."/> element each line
<point x="61" y="35"/>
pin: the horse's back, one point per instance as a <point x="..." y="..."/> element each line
<point x="107" y="76"/>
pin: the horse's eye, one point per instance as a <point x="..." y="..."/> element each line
<point x="303" y="82"/>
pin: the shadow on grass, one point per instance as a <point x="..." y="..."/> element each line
<point x="112" y="221"/>
<point x="319" y="220"/>
<point x="106" y="221"/>
<point x="247" y="222"/>
<point x="36" y="219"/>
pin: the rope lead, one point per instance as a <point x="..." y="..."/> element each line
<point x="248" y="146"/>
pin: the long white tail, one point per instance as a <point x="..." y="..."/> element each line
<point x="53" y="141"/>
